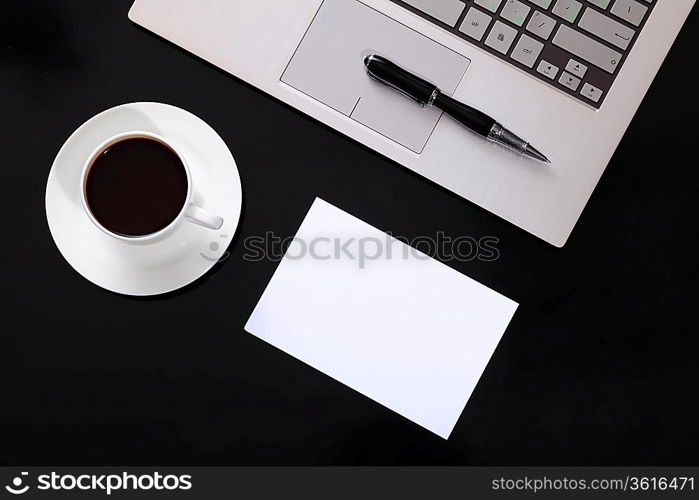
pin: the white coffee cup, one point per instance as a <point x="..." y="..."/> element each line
<point x="189" y="212"/>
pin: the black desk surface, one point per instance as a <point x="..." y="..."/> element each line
<point x="599" y="365"/>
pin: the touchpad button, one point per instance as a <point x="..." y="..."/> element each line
<point x="328" y="66"/>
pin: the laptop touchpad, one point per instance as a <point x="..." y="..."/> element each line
<point x="328" y="66"/>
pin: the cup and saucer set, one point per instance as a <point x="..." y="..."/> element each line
<point x="143" y="199"/>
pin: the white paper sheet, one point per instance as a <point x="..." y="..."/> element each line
<point x="403" y="329"/>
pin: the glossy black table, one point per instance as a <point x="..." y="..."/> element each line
<point x="599" y="365"/>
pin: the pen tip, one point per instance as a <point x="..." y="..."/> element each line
<point x="532" y="152"/>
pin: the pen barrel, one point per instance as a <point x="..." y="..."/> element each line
<point x="472" y="118"/>
<point x="408" y="84"/>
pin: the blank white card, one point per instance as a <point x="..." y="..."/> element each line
<point x="377" y="315"/>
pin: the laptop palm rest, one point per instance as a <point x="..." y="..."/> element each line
<point x="328" y="66"/>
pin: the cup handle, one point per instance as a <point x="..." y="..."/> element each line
<point x="202" y="217"/>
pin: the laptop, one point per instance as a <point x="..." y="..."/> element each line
<point x="567" y="75"/>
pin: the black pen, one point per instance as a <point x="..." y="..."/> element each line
<point x="427" y="94"/>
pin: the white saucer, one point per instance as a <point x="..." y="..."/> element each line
<point x="183" y="256"/>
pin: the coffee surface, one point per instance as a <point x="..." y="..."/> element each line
<point x="136" y="187"/>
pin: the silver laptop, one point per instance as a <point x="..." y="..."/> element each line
<point x="567" y="75"/>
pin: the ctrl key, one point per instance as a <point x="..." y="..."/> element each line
<point x="591" y="92"/>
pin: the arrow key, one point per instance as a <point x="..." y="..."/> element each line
<point x="570" y="81"/>
<point x="576" y="68"/>
<point x="547" y="69"/>
<point x="591" y="92"/>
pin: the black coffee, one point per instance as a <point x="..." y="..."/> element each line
<point x="136" y="187"/>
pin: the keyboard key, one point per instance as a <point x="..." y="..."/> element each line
<point x="547" y="69"/>
<point x="527" y="51"/>
<point x="603" y="4"/>
<point x="544" y="4"/>
<point x="570" y="81"/>
<point x="475" y="23"/>
<point x="630" y="11"/>
<point x="582" y="37"/>
<point x="567" y="9"/>
<point x="541" y="25"/>
<point x="591" y="92"/>
<point x="447" y="11"/>
<point x="606" y="28"/>
<point x="575" y="68"/>
<point x="586" y="48"/>
<point x="515" y="12"/>
<point x="491" y="5"/>
<point x="501" y="37"/>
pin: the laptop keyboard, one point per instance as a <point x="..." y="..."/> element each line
<point x="576" y="46"/>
